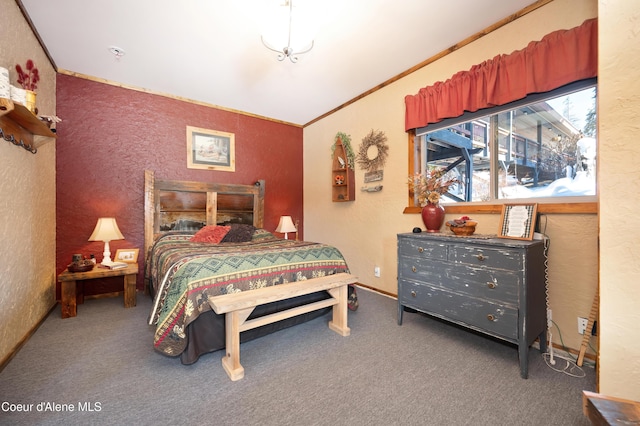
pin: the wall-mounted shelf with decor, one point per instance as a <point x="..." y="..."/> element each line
<point x="21" y="127"/>
<point x="343" y="177"/>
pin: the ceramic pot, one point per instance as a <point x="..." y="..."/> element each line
<point x="433" y="217"/>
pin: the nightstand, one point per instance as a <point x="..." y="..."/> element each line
<point x="68" y="286"/>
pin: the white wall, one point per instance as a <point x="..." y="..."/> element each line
<point x="27" y="199"/>
<point x="365" y="230"/>
<point x="619" y="180"/>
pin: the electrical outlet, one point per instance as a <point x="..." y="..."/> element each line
<point x="582" y="325"/>
<point x="376" y="271"/>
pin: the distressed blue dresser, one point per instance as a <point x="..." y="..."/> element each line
<point x="495" y="286"/>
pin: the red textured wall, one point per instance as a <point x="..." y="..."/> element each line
<point x="110" y="135"/>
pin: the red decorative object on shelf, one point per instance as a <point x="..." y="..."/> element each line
<point x="433" y="217"/>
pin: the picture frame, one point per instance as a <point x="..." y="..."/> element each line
<point x="518" y="221"/>
<point x="127" y="255"/>
<point x="210" y="149"/>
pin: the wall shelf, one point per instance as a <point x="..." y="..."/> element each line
<point x="21" y="127"/>
<point x="343" y="186"/>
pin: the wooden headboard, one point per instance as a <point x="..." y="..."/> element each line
<point x="183" y="205"/>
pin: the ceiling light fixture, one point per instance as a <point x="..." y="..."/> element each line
<point x="287" y="51"/>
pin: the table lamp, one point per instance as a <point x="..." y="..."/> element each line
<point x="106" y="230"/>
<point x="285" y="226"/>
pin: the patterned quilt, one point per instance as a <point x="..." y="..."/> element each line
<point x="185" y="274"/>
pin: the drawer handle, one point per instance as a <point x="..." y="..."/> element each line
<point x="491" y="317"/>
<point x="480" y="257"/>
<point x="413" y="268"/>
<point x="491" y="285"/>
<point x="420" y="250"/>
<point x="413" y="293"/>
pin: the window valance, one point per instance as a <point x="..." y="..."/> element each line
<point x="561" y="57"/>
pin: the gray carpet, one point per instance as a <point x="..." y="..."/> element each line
<point x="424" y="372"/>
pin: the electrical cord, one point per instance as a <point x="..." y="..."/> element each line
<point x="570" y="368"/>
<point x="551" y="360"/>
<point x="564" y="347"/>
<point x="547" y="243"/>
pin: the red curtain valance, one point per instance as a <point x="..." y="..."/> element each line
<point x="561" y="57"/>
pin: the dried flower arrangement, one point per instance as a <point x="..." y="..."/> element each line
<point x="431" y="185"/>
<point x="28" y="79"/>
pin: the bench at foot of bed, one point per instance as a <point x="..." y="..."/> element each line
<point x="238" y="306"/>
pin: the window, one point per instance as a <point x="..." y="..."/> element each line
<point x="543" y="146"/>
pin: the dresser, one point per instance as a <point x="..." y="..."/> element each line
<point x="495" y="286"/>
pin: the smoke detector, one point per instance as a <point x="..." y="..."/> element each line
<point x="116" y="51"/>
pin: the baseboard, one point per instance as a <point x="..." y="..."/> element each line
<point x="567" y="351"/>
<point x="5" y="361"/>
<point x="375" y="290"/>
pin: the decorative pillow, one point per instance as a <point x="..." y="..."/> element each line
<point x="211" y="234"/>
<point x="261" y="234"/>
<point x="239" y="233"/>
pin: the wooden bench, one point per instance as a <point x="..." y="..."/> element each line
<point x="238" y="306"/>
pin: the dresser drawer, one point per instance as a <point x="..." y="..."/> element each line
<point x="489" y="257"/>
<point x="494" y="318"/>
<point x="421" y="269"/>
<point x="493" y="284"/>
<point x="424" y="249"/>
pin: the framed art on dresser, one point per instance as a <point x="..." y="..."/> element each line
<point x="518" y="221"/>
<point x="127" y="255"/>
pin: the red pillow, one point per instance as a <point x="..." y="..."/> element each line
<point x="210" y="234"/>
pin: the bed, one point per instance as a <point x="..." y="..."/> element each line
<point x="187" y="263"/>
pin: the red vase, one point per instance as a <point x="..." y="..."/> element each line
<point x="433" y="217"/>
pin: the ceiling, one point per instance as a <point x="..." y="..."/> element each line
<point x="211" y="51"/>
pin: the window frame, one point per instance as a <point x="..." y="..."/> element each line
<point x="555" y="205"/>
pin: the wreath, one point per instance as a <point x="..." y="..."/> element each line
<point x="377" y="139"/>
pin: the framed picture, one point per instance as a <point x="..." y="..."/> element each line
<point x="127" y="255"/>
<point x="210" y="150"/>
<point x="518" y="221"/>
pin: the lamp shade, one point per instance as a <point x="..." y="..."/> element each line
<point x="106" y="230"/>
<point x="286" y="225"/>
